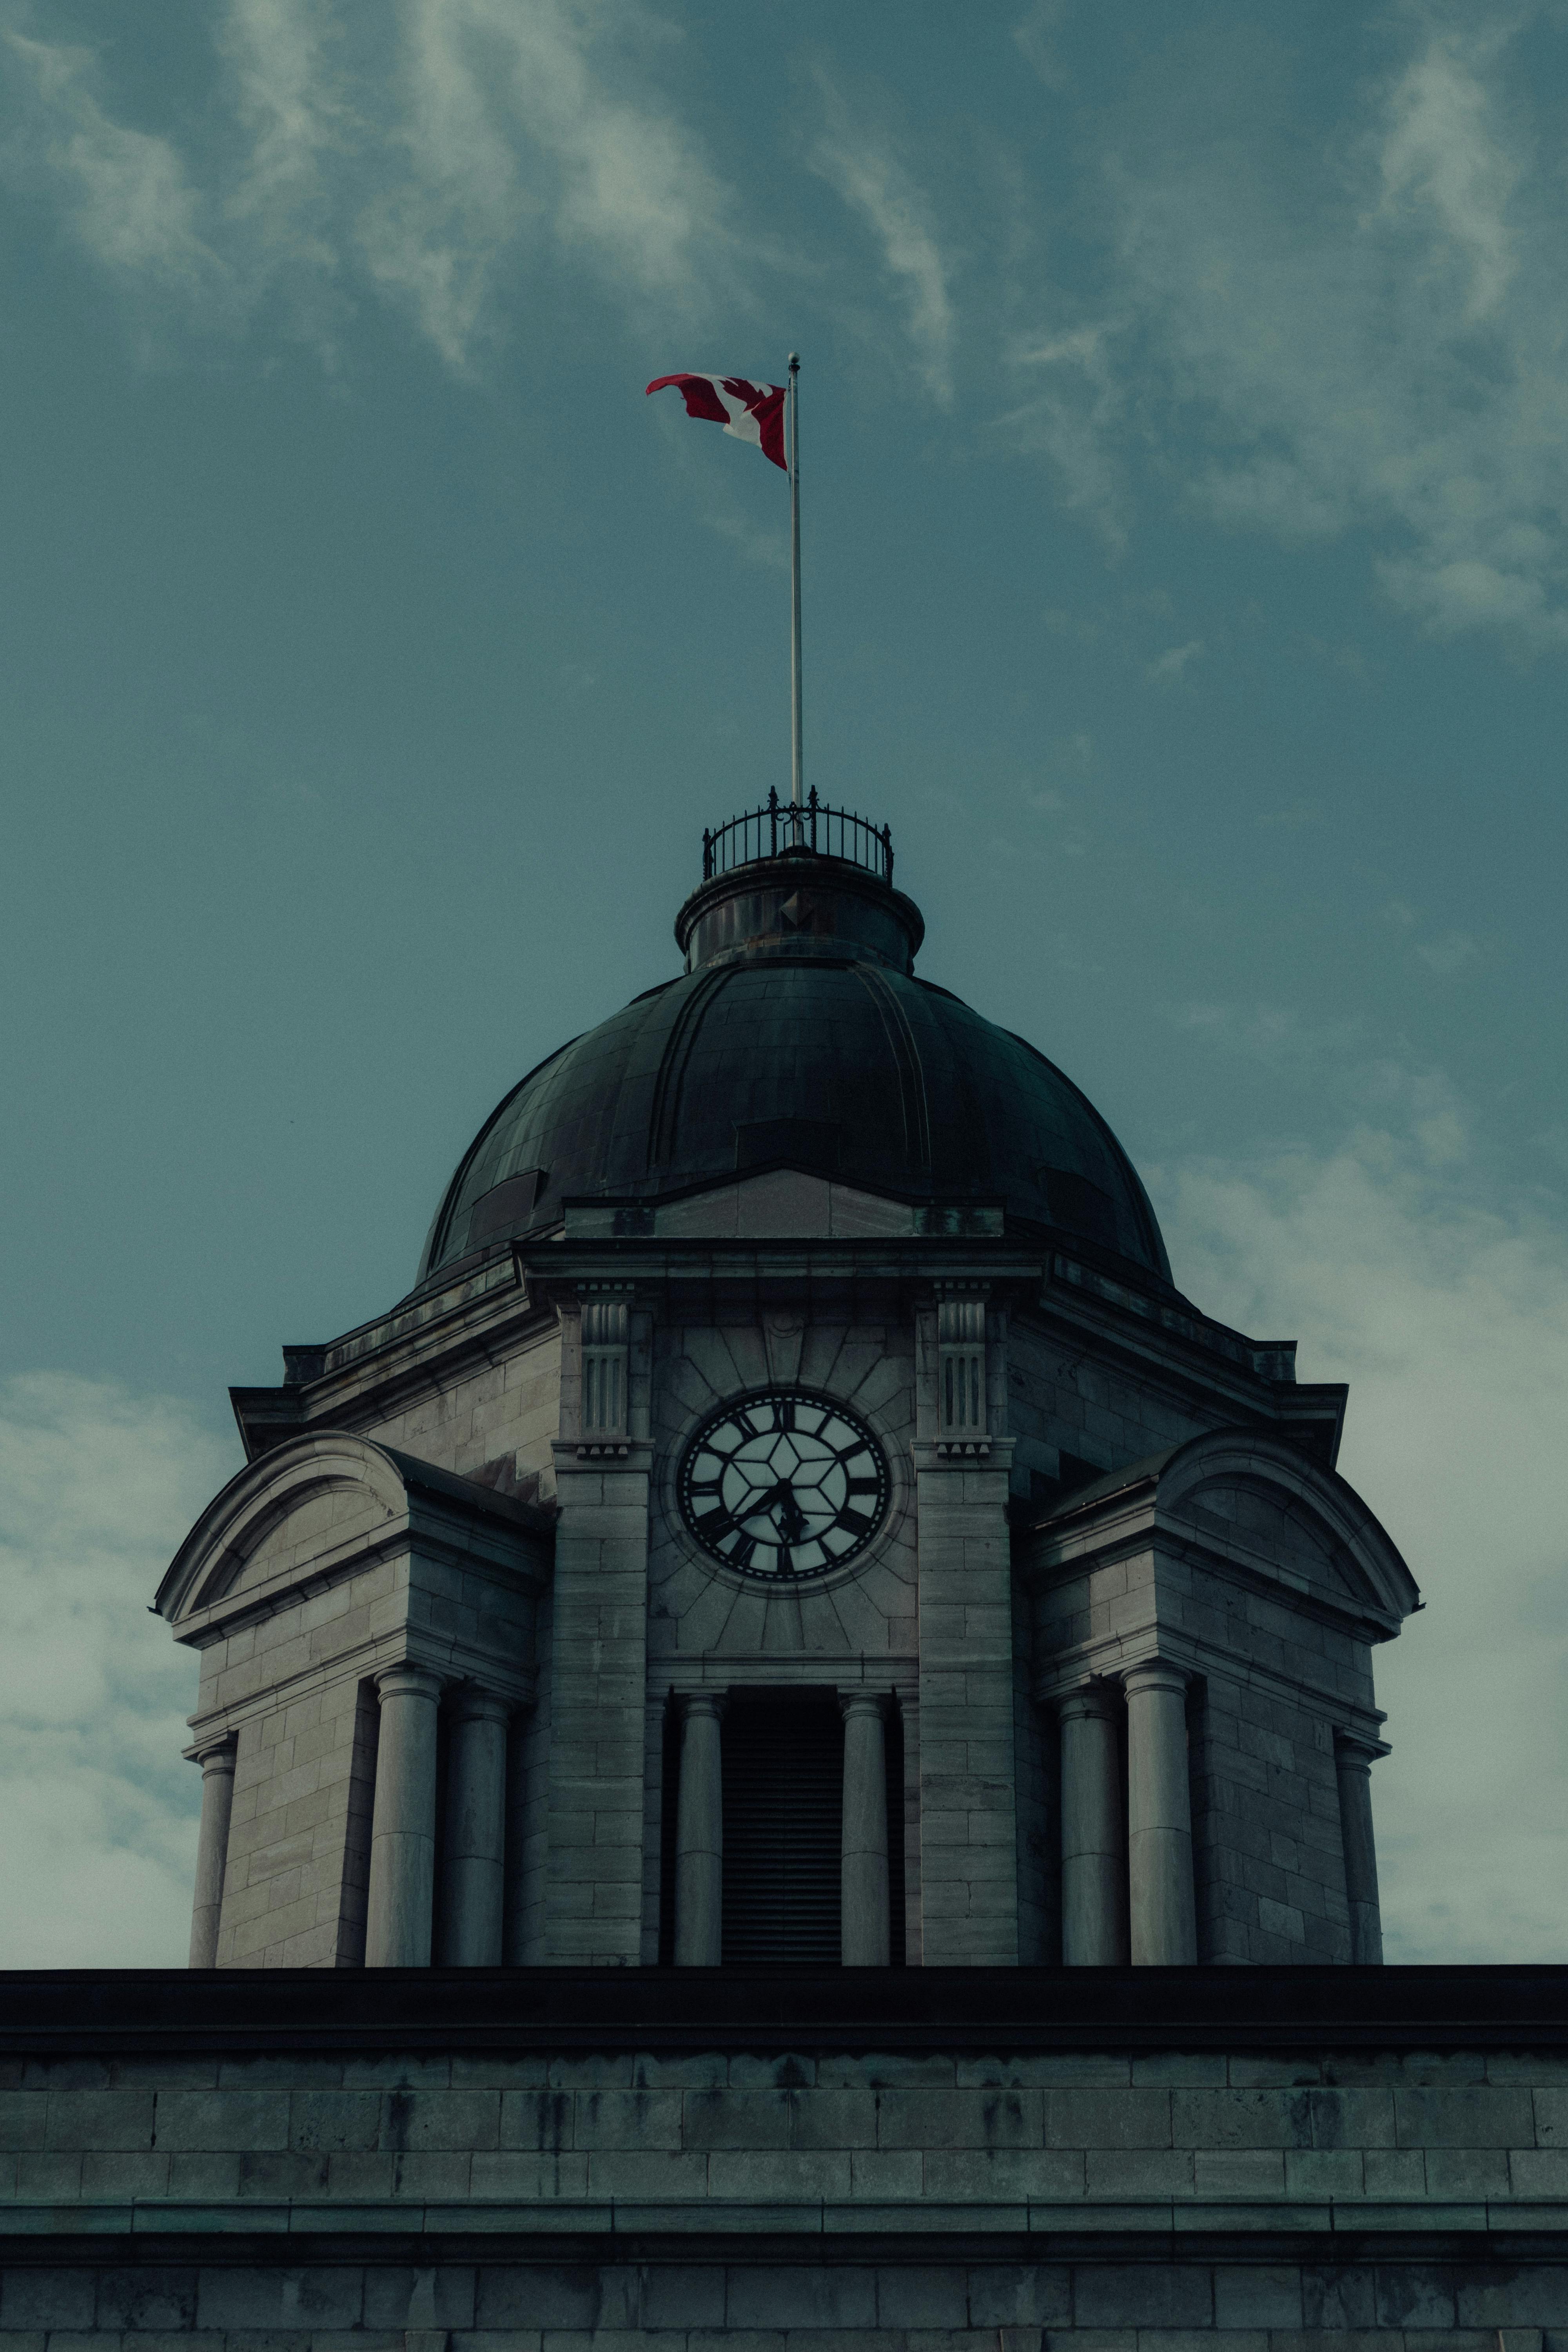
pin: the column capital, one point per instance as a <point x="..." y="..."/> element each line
<point x="1096" y="1700"/>
<point x="472" y="1702"/>
<point x="576" y="1455"/>
<point x="708" y="1703"/>
<point x="1358" y="1751"/>
<point x="216" y="1754"/>
<point x="864" y="1702"/>
<point x="1156" y="1673"/>
<point x="960" y="1454"/>
<point x="408" y="1680"/>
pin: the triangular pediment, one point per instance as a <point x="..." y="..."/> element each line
<point x="778" y="1203"/>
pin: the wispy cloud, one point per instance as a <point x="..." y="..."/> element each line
<point x="1450" y="954"/>
<point x="424" y="154"/>
<point x="1171" y="667"/>
<point x="514" y="129"/>
<point x="1035" y="34"/>
<point x="123" y="192"/>
<point x="1449" y="1316"/>
<point x="1074" y="415"/>
<point x="860" y="160"/>
<point x="1373" y="341"/>
<point x="97" y="1810"/>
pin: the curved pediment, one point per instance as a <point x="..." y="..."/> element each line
<point x="1261" y="1498"/>
<point x="1254" y="1513"/>
<point x="303" y="1503"/>
<point x="1256" y="1498"/>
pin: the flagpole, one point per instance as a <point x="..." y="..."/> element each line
<point x="795" y="793"/>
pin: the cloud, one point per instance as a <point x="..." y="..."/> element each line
<point x="98" y="1811"/>
<point x="1036" y="34"/>
<point x="1448" y="954"/>
<point x="860" y="163"/>
<point x="1365" y="338"/>
<point x="123" y="192"/>
<point x="1074" y="416"/>
<point x="1171" y="667"/>
<point x="1447" y="158"/>
<point x="427" y="155"/>
<point x="1449" y="1318"/>
<point x="513" y="131"/>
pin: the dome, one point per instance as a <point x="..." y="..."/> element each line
<point x="799" y="1037"/>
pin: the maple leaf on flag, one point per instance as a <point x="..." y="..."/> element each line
<point x="751" y="412"/>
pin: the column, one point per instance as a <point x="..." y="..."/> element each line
<point x="522" y="1899"/>
<point x="700" y="1835"/>
<point x="865" y="1932"/>
<point x="212" y="1849"/>
<point x="1094" y="1861"/>
<point x="1353" y="1760"/>
<point x="403" y="1822"/>
<point x="472" y="1882"/>
<point x="1159" y="1818"/>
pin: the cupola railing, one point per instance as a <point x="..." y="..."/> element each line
<point x="777" y="830"/>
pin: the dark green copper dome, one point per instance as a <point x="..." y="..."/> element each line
<point x="798" y="1036"/>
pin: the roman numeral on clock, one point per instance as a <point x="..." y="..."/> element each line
<point x="783" y="1486"/>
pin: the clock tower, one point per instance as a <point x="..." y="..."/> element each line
<point x="793" y="1517"/>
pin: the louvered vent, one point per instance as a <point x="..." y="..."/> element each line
<point x="784" y="1802"/>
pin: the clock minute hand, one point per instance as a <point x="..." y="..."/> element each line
<point x="790" y="1521"/>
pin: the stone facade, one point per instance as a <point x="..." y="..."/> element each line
<point x="1235" y="1560"/>
<point x="979" y="2159"/>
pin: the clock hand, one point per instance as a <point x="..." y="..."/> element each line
<point x="791" y="1519"/>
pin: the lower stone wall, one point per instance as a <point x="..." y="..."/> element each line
<point x="915" y="2160"/>
<point x="807" y="2304"/>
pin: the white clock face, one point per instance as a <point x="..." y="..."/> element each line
<point x="785" y="1484"/>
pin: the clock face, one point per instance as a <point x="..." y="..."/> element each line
<point x="785" y="1484"/>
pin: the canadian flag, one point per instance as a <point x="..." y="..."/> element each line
<point x="751" y="412"/>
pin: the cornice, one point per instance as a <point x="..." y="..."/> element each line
<point x="1308" y="2010"/>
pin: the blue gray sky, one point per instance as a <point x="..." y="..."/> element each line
<point x="1185" y="495"/>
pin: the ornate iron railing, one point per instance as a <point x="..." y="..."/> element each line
<point x="777" y="830"/>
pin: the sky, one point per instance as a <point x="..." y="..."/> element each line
<point x="1184" y="494"/>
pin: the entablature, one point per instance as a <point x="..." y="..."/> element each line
<point x="1196" y="1364"/>
<point x="821" y="1274"/>
<point x="386" y="1365"/>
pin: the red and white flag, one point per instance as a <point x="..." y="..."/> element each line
<point x="751" y="412"/>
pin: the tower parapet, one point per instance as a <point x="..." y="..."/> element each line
<point x="813" y="881"/>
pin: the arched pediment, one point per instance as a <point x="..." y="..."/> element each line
<point x="1258" y="1496"/>
<point x="1255" y="1498"/>
<point x="298" y="1503"/>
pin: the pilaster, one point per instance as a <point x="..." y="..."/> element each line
<point x="598" y="1670"/>
<point x="969" y="1864"/>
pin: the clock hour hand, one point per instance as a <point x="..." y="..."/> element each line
<point x="791" y="1519"/>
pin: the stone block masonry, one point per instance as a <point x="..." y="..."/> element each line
<point x="1121" y="2160"/>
